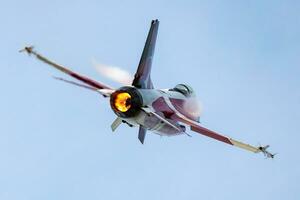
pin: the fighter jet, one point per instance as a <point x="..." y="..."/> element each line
<point x="162" y="111"/>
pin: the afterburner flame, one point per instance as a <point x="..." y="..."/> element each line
<point x="122" y="102"/>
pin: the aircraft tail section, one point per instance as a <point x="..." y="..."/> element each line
<point x="142" y="77"/>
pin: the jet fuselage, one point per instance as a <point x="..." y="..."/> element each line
<point x="146" y="105"/>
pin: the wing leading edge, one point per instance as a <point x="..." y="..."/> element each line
<point x="142" y="77"/>
<point x="204" y="131"/>
<point x="84" y="79"/>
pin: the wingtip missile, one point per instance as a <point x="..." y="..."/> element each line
<point x="266" y="153"/>
<point x="28" y="49"/>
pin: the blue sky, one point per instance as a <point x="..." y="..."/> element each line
<point x="242" y="59"/>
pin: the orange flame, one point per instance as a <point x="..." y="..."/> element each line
<point x="121" y="101"/>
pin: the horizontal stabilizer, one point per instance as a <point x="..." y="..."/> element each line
<point x="75" y="83"/>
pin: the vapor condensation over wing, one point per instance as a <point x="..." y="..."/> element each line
<point x="114" y="73"/>
<point x="193" y="106"/>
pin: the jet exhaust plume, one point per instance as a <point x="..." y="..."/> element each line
<point x="114" y="73"/>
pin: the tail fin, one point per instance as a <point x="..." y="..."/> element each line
<point x="142" y="77"/>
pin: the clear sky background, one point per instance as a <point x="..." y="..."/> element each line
<point x="241" y="57"/>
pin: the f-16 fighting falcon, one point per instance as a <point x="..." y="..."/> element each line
<point x="162" y="111"/>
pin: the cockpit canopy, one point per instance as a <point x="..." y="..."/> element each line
<point x="184" y="89"/>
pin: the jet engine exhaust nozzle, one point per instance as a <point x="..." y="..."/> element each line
<point x="122" y="102"/>
<point x="126" y="102"/>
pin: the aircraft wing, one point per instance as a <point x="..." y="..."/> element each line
<point x="142" y="77"/>
<point x="204" y="131"/>
<point x="143" y="131"/>
<point x="163" y="120"/>
<point x="84" y="79"/>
